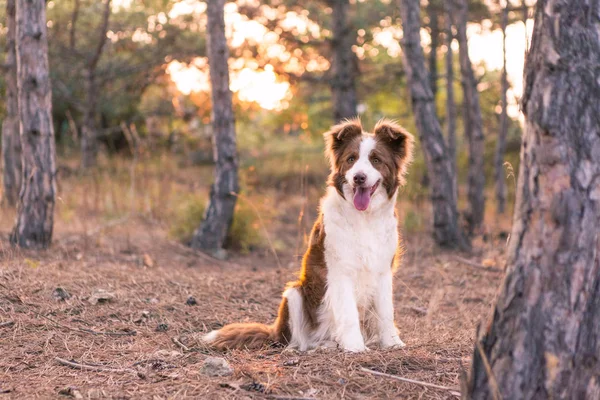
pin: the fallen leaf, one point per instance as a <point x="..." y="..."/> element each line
<point x="148" y="261"/>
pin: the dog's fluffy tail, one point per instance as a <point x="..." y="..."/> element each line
<point x="238" y="336"/>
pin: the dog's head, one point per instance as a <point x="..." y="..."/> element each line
<point x="367" y="168"/>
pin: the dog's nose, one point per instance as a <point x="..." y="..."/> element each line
<point x="360" y="178"/>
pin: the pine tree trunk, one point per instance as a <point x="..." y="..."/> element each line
<point x="11" y="143"/>
<point x="446" y="230"/>
<point x="343" y="63"/>
<point x="450" y="103"/>
<point x="500" y="179"/>
<point x="434" y="33"/>
<point x="34" y="222"/>
<point x="89" y="139"/>
<point x="544" y="339"/>
<point x="89" y="131"/>
<point x="212" y="233"/>
<point x="473" y="123"/>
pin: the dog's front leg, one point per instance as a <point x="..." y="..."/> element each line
<point x="346" y="322"/>
<point x="384" y="307"/>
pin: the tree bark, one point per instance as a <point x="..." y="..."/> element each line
<point x="544" y="339"/>
<point x="434" y="33"/>
<point x="212" y="233"/>
<point x="450" y="103"/>
<point x="500" y="179"/>
<point x="473" y="122"/>
<point x="11" y="143"/>
<point x="446" y="230"/>
<point x="89" y="131"/>
<point x="34" y="222"/>
<point x="343" y="63"/>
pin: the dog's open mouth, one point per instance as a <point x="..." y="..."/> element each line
<point x="362" y="196"/>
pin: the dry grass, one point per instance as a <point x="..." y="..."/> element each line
<point x="439" y="301"/>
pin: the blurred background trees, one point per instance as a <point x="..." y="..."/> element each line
<point x="296" y="67"/>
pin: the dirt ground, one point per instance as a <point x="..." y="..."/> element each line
<point x="142" y="341"/>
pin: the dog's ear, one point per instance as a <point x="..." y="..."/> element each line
<point x="399" y="141"/>
<point x="339" y="136"/>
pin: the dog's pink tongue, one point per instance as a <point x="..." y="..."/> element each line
<point x="362" y="197"/>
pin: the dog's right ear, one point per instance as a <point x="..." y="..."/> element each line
<point x="339" y="136"/>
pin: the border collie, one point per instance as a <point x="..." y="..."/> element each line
<point x="344" y="291"/>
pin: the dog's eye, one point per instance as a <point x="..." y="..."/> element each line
<point x="351" y="159"/>
<point x="376" y="160"/>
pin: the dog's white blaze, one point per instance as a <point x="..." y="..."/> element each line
<point x="363" y="164"/>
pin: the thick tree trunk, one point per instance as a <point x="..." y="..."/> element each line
<point x="446" y="230"/>
<point x="213" y="230"/>
<point x="450" y="103"/>
<point x="34" y="222"/>
<point x="11" y="143"/>
<point x="500" y="184"/>
<point x="544" y="339"/>
<point x="343" y="63"/>
<point x="89" y="134"/>
<point x="434" y="33"/>
<point x="473" y="122"/>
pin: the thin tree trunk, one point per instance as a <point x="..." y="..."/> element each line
<point x="434" y="33"/>
<point x="35" y="216"/>
<point x="74" y="18"/>
<point x="503" y="131"/>
<point x="450" y="103"/>
<point x="11" y="143"/>
<point x="544" y="339"/>
<point x="473" y="122"/>
<point x="446" y="230"/>
<point x="212" y="233"/>
<point x="89" y="131"/>
<point x="343" y="63"/>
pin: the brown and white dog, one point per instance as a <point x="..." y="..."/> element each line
<point x="344" y="292"/>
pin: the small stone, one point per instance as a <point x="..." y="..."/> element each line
<point x="61" y="294"/>
<point x="71" y="392"/>
<point x="101" y="296"/>
<point x="162" y="328"/>
<point x="191" y="301"/>
<point x="216" y="366"/>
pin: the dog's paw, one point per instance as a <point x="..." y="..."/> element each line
<point x="354" y="345"/>
<point x="392" y="342"/>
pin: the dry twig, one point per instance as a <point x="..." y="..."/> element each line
<point x="178" y="343"/>
<point x="88" y="367"/>
<point x="453" y="391"/>
<point x="476" y="265"/>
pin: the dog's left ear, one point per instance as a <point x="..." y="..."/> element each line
<point x="399" y="141"/>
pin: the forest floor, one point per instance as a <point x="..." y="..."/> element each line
<point x="111" y="299"/>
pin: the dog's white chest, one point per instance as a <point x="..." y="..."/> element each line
<point x="359" y="247"/>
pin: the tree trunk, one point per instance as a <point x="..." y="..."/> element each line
<point x="503" y="131"/>
<point x="11" y="143"/>
<point x="450" y="103"/>
<point x="473" y="122"/>
<point x="89" y="134"/>
<point x="213" y="230"/>
<point x="89" y="139"/>
<point x="34" y="222"/>
<point x="434" y="33"/>
<point x="544" y="338"/>
<point x="446" y="230"/>
<point x="343" y="63"/>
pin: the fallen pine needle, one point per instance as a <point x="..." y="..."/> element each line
<point x="453" y="391"/>
<point x="476" y="265"/>
<point x="178" y="343"/>
<point x="86" y="330"/>
<point x="88" y="367"/>
<point x="6" y="324"/>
